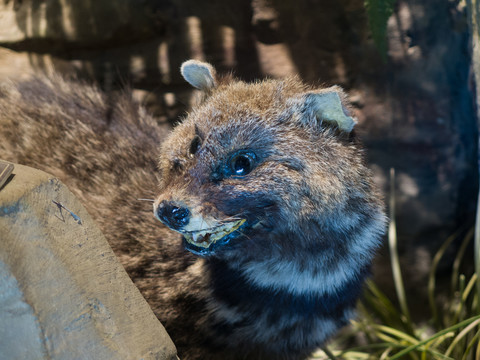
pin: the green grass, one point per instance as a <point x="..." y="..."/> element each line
<point x="384" y="329"/>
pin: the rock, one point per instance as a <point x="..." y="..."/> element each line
<point x="63" y="294"/>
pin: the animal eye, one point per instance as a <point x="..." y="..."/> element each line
<point x="195" y="145"/>
<point x="241" y="164"/>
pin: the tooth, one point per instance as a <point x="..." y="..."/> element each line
<point x="195" y="237"/>
<point x="205" y="238"/>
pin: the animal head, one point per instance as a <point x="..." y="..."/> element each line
<point x="255" y="161"/>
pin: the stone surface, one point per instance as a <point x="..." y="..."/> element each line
<point x="63" y="294"/>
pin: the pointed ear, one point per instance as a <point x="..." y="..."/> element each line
<point x="199" y="74"/>
<point x="329" y="105"/>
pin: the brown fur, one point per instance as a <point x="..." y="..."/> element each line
<point x="319" y="215"/>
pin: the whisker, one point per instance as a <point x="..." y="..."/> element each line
<point x="146" y="200"/>
<point x="230" y="218"/>
<point x="243" y="233"/>
<point x="224" y="221"/>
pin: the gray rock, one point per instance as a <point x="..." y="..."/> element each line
<point x="63" y="294"/>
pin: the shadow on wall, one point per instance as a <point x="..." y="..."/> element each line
<point x="145" y="42"/>
<point x="140" y="41"/>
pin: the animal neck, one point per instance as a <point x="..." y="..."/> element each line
<point x="319" y="261"/>
<point x="235" y="290"/>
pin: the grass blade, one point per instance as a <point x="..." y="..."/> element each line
<point x="460" y="336"/>
<point x="399" y="334"/>
<point x="477" y="249"/>
<point x="431" y="279"/>
<point x="328" y="353"/>
<point x="471" y="344"/>
<point x="459" y="258"/>
<point x="397" y="273"/>
<point x="438" y="334"/>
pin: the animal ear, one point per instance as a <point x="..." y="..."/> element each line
<point x="329" y="105"/>
<point x="199" y="74"/>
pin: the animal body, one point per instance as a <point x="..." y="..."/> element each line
<point x="264" y="183"/>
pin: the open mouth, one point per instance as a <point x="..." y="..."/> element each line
<point x="203" y="241"/>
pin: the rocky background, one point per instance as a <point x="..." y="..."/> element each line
<point x="416" y="109"/>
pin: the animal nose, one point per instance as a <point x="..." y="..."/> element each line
<point x="172" y="215"/>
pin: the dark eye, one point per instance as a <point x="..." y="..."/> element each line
<point x="241" y="164"/>
<point x="195" y="145"/>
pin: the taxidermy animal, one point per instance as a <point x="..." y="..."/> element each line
<point x="269" y="217"/>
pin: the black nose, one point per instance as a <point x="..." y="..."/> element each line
<point x="172" y="215"/>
